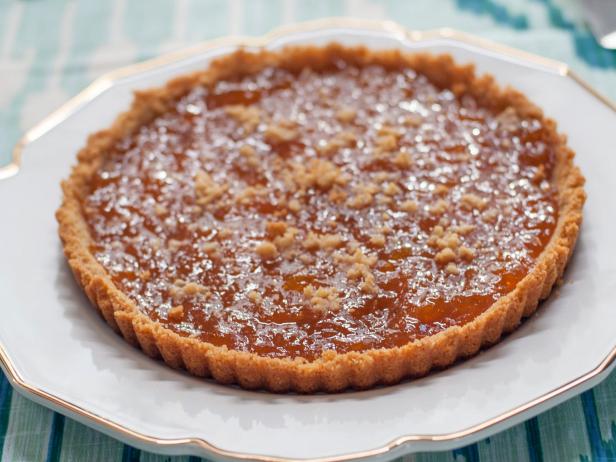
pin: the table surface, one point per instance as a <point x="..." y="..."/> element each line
<point x="51" y="50"/>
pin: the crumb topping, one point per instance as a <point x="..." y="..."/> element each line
<point x="490" y="216"/>
<point x="323" y="299"/>
<point x="445" y="255"/>
<point x="180" y="290"/>
<point x="249" y="155"/>
<point x="391" y="189"/>
<point x="206" y="189"/>
<point x="341" y="140"/>
<point x="317" y="173"/>
<point x="287" y="239"/>
<point x="466" y="253"/>
<point x="212" y="249"/>
<point x="346" y="114"/>
<point x="280" y="133"/>
<point x="267" y="250"/>
<point x="463" y="229"/>
<point x="294" y="205"/>
<point x="276" y="228"/>
<point x="409" y="206"/>
<point x="439" y="207"/>
<point x="255" y="297"/>
<point x="377" y="240"/>
<point x="176" y="314"/>
<point x="402" y="160"/>
<point x="385" y="144"/>
<point x="248" y="116"/>
<point x="315" y="241"/>
<point x="472" y="201"/>
<point x="508" y="119"/>
<point x="160" y="210"/>
<point x="340" y="210"/>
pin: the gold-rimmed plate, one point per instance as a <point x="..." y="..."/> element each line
<point x="57" y="350"/>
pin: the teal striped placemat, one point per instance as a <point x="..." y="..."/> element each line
<point x="49" y="50"/>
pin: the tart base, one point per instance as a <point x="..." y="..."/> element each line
<point x="331" y="372"/>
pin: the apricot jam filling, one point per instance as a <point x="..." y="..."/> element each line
<point x="287" y="214"/>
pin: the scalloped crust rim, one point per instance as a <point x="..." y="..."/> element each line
<point x="331" y="372"/>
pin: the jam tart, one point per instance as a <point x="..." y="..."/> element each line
<point x="321" y="218"/>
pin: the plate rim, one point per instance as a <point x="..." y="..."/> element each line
<point x="107" y="80"/>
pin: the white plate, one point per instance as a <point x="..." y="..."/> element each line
<point x="56" y="349"/>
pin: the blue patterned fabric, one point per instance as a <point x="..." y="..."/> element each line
<point x="50" y="50"/>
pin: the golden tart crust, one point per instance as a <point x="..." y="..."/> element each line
<point x="330" y="371"/>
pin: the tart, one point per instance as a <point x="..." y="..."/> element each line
<point x="321" y="218"/>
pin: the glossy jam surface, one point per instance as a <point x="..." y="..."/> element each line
<point x="349" y="209"/>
